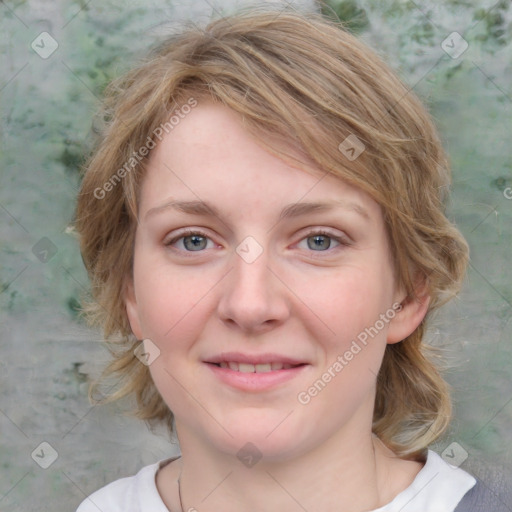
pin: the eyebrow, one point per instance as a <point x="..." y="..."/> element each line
<point x="300" y="209"/>
<point x="190" y="207"/>
<point x="202" y="208"/>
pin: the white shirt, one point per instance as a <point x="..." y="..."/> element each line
<point x="438" y="487"/>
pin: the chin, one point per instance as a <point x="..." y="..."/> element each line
<point x="273" y="436"/>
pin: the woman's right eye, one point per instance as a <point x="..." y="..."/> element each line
<point x="191" y="242"/>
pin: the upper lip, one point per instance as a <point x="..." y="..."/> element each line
<point x="253" y="358"/>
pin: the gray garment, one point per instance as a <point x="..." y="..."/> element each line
<point x="491" y="493"/>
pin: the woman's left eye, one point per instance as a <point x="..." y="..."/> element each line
<point x="319" y="242"/>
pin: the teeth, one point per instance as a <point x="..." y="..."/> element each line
<point x="263" y="368"/>
<point x="245" y="368"/>
<point x="251" y="368"/>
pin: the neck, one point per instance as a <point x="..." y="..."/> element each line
<point x="354" y="477"/>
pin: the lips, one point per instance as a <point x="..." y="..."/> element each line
<point x="255" y="368"/>
<point x="255" y="363"/>
<point x="256" y="372"/>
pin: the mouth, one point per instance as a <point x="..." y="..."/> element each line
<point x="255" y="373"/>
<point x="256" y="368"/>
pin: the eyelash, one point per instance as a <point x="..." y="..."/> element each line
<point x="184" y="234"/>
<point x="343" y="241"/>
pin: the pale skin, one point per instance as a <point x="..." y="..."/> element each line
<point x="323" y="276"/>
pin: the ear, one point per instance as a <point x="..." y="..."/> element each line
<point x="411" y="313"/>
<point x="132" y="310"/>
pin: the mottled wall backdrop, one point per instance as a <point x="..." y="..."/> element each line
<point x="56" y="59"/>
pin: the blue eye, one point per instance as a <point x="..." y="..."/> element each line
<point x="195" y="242"/>
<point x="320" y="242"/>
<point x="191" y="242"/>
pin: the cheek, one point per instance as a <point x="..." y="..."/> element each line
<point x="353" y="344"/>
<point x="171" y="302"/>
<point x="347" y="302"/>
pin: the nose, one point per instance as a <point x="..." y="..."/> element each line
<point x="253" y="299"/>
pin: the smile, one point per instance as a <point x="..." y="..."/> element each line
<point x="254" y="373"/>
<point x="255" y="368"/>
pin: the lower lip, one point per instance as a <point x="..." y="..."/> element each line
<point x="255" y="381"/>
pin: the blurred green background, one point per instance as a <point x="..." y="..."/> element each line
<point x="47" y="102"/>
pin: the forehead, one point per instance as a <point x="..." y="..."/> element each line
<point x="210" y="156"/>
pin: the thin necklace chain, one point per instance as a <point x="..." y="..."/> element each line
<point x="179" y="492"/>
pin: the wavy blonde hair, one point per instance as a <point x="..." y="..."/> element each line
<point x="301" y="84"/>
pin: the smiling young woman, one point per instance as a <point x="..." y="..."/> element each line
<point x="220" y="321"/>
<point x="285" y="238"/>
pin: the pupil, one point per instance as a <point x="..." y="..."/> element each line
<point x="319" y="242"/>
<point x="194" y="242"/>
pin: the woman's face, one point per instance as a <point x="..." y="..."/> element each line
<point x="255" y="280"/>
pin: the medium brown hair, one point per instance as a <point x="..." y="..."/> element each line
<point x="302" y="85"/>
